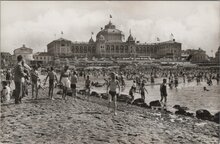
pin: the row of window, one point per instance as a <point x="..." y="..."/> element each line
<point x="80" y="49"/>
<point x="39" y="58"/>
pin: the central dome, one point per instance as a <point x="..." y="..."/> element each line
<point x="111" y="34"/>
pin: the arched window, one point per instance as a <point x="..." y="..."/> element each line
<point x="89" y="49"/>
<point x="93" y="49"/>
<point x="85" y="49"/>
<point x="77" y="49"/>
<point x="81" y="49"/>
<point x="145" y="49"/>
<point x="73" y="49"/>
<point x="122" y="49"/>
<point x="108" y="48"/>
<point x="126" y="49"/>
<point x="112" y="48"/>
<point x="117" y="49"/>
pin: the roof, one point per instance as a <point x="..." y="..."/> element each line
<point x="23" y="48"/>
<point x="5" y="53"/>
<point x="158" y="43"/>
<point x="109" y="29"/>
<point x="168" y="42"/>
<point x="42" y="54"/>
<point x="130" y="38"/>
<point x="91" y="40"/>
<point x="59" y="40"/>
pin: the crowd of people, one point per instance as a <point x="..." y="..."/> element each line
<point x="22" y="75"/>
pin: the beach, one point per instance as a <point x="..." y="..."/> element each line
<point x="83" y="121"/>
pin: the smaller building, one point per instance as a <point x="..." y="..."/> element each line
<point x="43" y="58"/>
<point x="6" y="59"/>
<point x="198" y="56"/>
<point x="26" y="53"/>
<point x="217" y="56"/>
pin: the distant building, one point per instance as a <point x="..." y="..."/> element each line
<point x="197" y="55"/>
<point x="110" y="43"/>
<point x="6" y="59"/>
<point x="61" y="47"/>
<point x="217" y="55"/>
<point x="42" y="58"/>
<point x="26" y="53"/>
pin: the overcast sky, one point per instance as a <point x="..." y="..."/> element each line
<point x="35" y="24"/>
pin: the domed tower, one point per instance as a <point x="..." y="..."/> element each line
<point x="100" y="45"/>
<point x="130" y="39"/>
<point x="91" y="40"/>
<point x="131" y="45"/>
<point x="110" y="33"/>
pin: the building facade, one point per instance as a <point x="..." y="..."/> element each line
<point x="217" y="56"/>
<point x="6" y="59"/>
<point x="26" y="53"/>
<point x="197" y="55"/>
<point x="43" y="58"/>
<point x="110" y="43"/>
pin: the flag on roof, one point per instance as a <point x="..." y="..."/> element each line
<point x="158" y="39"/>
<point x="110" y="16"/>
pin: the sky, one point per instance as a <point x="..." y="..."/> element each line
<point x="195" y="24"/>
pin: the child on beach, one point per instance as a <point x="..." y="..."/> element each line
<point x="5" y="92"/>
<point x="112" y="86"/>
<point x="163" y="91"/>
<point x="52" y="77"/>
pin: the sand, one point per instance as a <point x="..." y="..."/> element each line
<point x="83" y="121"/>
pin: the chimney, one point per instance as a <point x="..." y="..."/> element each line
<point x="23" y="45"/>
<point x="174" y="40"/>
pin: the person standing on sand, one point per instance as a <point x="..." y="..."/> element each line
<point x="34" y="81"/>
<point x="163" y="91"/>
<point x="8" y="77"/>
<point x="19" y="74"/>
<point x="112" y="86"/>
<point x="87" y="86"/>
<point x="52" y="77"/>
<point x="64" y="79"/>
<point x="74" y="80"/>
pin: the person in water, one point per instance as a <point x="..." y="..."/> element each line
<point x="163" y="91"/>
<point x="142" y="90"/>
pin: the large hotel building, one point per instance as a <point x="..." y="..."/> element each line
<point x="109" y="43"/>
